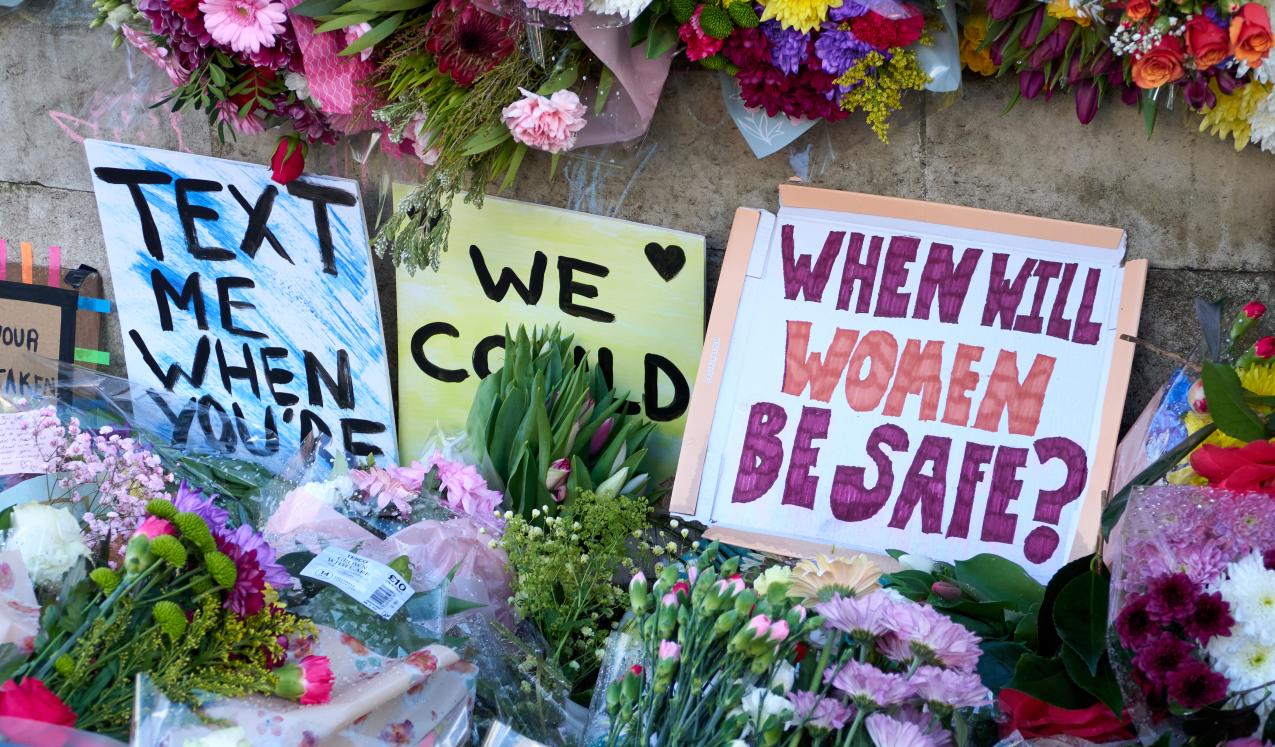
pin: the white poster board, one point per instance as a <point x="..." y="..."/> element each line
<point x="257" y="301"/>
<point x="888" y="374"/>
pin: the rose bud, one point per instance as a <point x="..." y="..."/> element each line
<point x="1254" y="310"/>
<point x="1195" y="397"/>
<point x="1264" y="348"/>
<point x="289" y="159"/>
<point x="946" y="590"/>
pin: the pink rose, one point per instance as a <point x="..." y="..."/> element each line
<point x="549" y="124"/>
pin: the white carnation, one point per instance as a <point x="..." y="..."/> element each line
<point x="784" y="678"/>
<point x="231" y="737"/>
<point x="629" y="9"/>
<point x="761" y="704"/>
<point x="48" y="539"/>
<point x="1250" y="591"/>
<point x="331" y="493"/>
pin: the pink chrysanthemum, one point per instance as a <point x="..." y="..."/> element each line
<point x="868" y="686"/>
<point x="814" y="712"/>
<point x="890" y="732"/>
<point x="918" y="631"/>
<point x="862" y="617"/>
<point x="245" y="26"/>
<point x="557" y="7"/>
<point x="949" y="688"/>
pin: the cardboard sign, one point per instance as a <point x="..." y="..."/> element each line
<point x="255" y="301"/>
<point x="632" y="295"/>
<point x="889" y="374"/>
<point x="35" y="320"/>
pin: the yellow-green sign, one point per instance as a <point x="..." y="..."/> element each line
<point x="632" y="295"/>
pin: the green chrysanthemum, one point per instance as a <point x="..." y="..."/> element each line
<point x="106" y="579"/>
<point x="682" y="10"/>
<point x="221" y="568"/>
<point x="161" y="508"/>
<point x="171" y="618"/>
<point x="195" y="530"/>
<point x="715" y="21"/>
<point x="715" y="62"/>
<point x="168" y="548"/>
<point x="64" y="665"/>
<point x="743" y="15"/>
<point x="201" y="585"/>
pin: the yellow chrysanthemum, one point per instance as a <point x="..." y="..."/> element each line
<point x="973" y="56"/>
<point x="1229" y="117"/>
<point x="803" y="15"/>
<point x="1062" y="10"/>
<point x="1258" y="379"/>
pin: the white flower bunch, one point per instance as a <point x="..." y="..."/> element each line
<point x="1247" y="655"/>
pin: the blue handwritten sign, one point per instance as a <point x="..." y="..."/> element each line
<point x="253" y="301"/>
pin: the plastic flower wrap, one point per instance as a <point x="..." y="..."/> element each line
<point x="1193" y="585"/>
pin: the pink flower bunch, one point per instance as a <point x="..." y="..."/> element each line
<point x="110" y="475"/>
<point x="903" y="630"/>
<point x="465" y="491"/>
<point x="545" y="123"/>
<point x="391" y="486"/>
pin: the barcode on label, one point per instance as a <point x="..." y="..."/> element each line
<point x="373" y="584"/>
<point x="380" y="596"/>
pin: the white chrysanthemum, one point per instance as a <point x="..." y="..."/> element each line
<point x="629" y="9"/>
<point x="1245" y="660"/>
<point x="48" y="539"/>
<point x="1262" y="122"/>
<point x="1250" y="590"/>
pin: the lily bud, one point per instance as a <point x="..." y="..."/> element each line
<point x="599" y="437"/>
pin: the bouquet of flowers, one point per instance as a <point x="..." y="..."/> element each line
<point x="719" y="661"/>
<point x="1194" y="582"/>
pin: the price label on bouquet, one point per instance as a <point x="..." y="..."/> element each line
<point x="255" y="301"/>
<point x="373" y="585"/>
<point x="889" y="374"/>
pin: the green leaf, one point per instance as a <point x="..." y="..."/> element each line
<point x="378" y="33"/>
<point x="1047" y="679"/>
<point x="662" y="39"/>
<point x="456" y="605"/>
<point x="914" y="585"/>
<point x="379" y="6"/>
<point x="999" y="660"/>
<point x="1149" y="112"/>
<point x="514" y="162"/>
<point x="605" y="81"/>
<point x="1027" y="632"/>
<point x="1100" y="682"/>
<point x="1081" y="617"/>
<point x="316" y="8"/>
<point x="1116" y="506"/>
<point x="991" y="578"/>
<point x="1225" y="395"/>
<point x="560" y="80"/>
<point x="511" y="414"/>
<point x="1049" y="641"/>
<point x="342" y="21"/>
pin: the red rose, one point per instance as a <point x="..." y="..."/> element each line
<point x="1161" y="65"/>
<point x="1136" y="10"/>
<point x="1249" y="467"/>
<point x="26" y="710"/>
<point x="1251" y="34"/>
<point x="887" y="33"/>
<point x="289" y="159"/>
<point x="1035" y="718"/>
<point x="1207" y="42"/>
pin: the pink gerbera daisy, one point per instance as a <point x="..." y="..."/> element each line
<point x="246" y="26"/>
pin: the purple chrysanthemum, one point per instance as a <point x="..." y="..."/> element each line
<point x="1133" y="624"/>
<point x="1195" y="685"/>
<point x="847" y="10"/>
<point x="788" y="47"/>
<point x="837" y="50"/>
<point x="249" y="541"/>
<point x="1211" y="617"/>
<point x="191" y="500"/>
<point x="306" y="120"/>
<point x="1161" y="656"/>
<point x="1171" y="597"/>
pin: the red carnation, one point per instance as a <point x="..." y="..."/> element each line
<point x="887" y="33"/>
<point x="27" y="707"/>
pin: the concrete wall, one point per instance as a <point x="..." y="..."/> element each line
<point x="1201" y="212"/>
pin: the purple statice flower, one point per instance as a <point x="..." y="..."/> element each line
<point x="868" y="686"/>
<point x="847" y="10"/>
<point x="788" y="47"/>
<point x="837" y="50"/>
<point x="191" y="499"/>
<point x="249" y="541"/>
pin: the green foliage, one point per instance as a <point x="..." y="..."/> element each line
<point x="1227" y="404"/>
<point x="544" y="406"/>
<point x="564" y="569"/>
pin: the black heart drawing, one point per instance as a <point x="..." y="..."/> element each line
<point x="667" y="260"/>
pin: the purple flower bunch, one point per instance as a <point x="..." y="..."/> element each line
<point x="897" y="667"/>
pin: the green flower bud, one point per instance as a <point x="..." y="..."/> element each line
<point x="168" y="548"/>
<point x="106" y="579"/>
<point x="743" y="15"/>
<point x="715" y="21"/>
<point x="745" y="600"/>
<point x="64" y="665"/>
<point x="730" y="567"/>
<point x="638" y="596"/>
<point x="221" y="568"/>
<point x="138" y="556"/>
<point x="613" y="697"/>
<point x="170" y="618"/>
<point x="682" y="10"/>
<point x="632" y="687"/>
<point x="161" y="508"/>
<point x="725" y="623"/>
<point x="195" y="531"/>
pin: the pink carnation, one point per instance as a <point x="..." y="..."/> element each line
<point x="698" y="44"/>
<point x="548" y="124"/>
<point x="352" y="34"/>
<point x="245" y="26"/>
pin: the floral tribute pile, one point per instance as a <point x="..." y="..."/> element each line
<point x="467" y="87"/>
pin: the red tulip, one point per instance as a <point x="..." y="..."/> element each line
<point x="289" y="159"/>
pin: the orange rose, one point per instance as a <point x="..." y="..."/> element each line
<point x="1250" y="34"/>
<point x="1160" y="66"/>
<point x="1136" y="10"/>
<point x="1206" y="41"/>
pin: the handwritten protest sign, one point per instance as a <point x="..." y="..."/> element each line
<point x="883" y="373"/>
<point x="37" y="322"/>
<point x="633" y="295"/>
<point x="256" y="302"/>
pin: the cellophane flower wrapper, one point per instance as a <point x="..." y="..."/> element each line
<point x="622" y="652"/>
<point x="1196" y="532"/>
<point x="425" y="697"/>
<point x="1062" y="740"/>
<point x="26" y="733"/>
